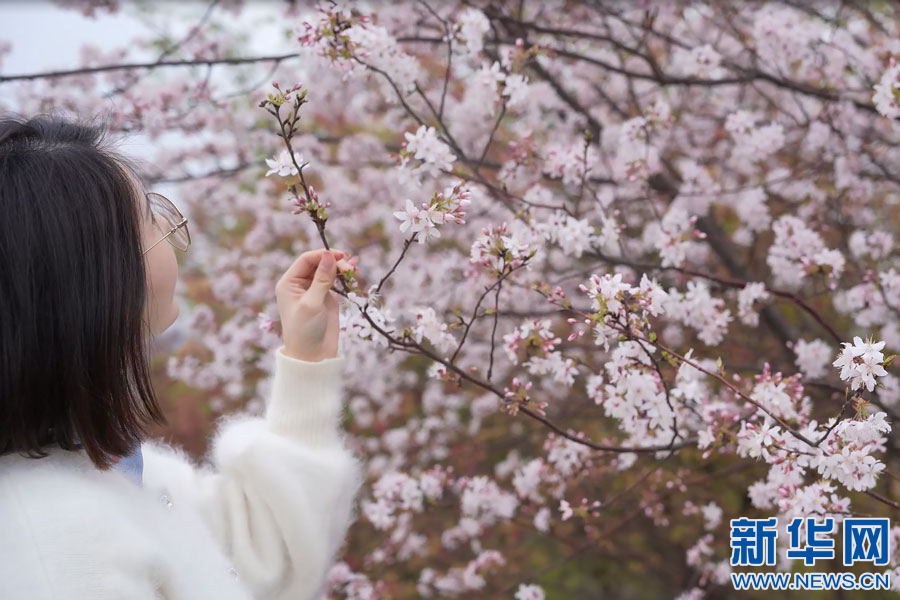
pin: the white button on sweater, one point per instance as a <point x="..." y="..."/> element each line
<point x="264" y="521"/>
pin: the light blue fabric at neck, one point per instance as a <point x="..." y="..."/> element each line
<point x="131" y="465"/>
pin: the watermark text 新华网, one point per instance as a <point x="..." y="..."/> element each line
<point x="864" y="540"/>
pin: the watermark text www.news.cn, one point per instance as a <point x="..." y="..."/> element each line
<point x="864" y="540"/>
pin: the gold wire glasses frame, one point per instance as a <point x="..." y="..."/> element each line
<point x="178" y="235"/>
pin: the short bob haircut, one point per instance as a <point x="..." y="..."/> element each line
<point x="74" y="344"/>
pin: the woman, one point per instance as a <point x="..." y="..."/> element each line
<point x="88" y="510"/>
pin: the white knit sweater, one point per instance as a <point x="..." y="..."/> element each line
<point x="265" y="520"/>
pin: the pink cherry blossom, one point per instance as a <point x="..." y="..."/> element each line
<point x="283" y="164"/>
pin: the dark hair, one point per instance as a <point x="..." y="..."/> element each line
<point x="74" y="352"/>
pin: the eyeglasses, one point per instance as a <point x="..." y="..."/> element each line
<point x="175" y="223"/>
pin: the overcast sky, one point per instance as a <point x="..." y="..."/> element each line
<point x="45" y="35"/>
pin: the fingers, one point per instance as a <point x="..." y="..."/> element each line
<point x="322" y="281"/>
<point x="343" y="266"/>
<point x="305" y="265"/>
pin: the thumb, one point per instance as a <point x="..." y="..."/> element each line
<point x="322" y="280"/>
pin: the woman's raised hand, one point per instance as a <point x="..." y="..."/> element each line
<point x="309" y="309"/>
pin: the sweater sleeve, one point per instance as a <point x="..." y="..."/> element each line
<point x="280" y="491"/>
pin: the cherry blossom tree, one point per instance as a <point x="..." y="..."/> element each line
<point x="627" y="270"/>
